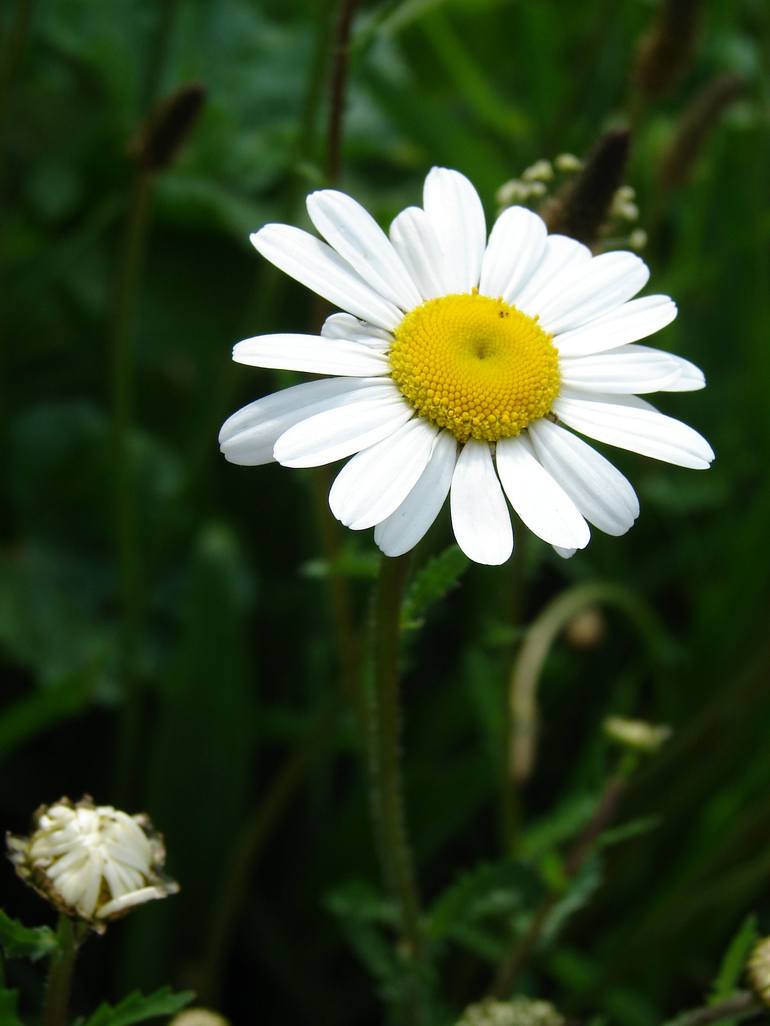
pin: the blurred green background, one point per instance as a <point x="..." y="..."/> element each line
<point x="217" y="593"/>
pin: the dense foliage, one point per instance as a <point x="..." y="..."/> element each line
<point x="167" y="628"/>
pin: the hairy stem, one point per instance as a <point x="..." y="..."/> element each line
<point x="59" y="985"/>
<point x="385" y="735"/>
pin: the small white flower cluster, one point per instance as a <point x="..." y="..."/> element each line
<point x="93" y="862"/>
<point x="520" y="1011"/>
<point x="533" y="185"/>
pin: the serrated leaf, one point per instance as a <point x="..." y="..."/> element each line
<point x="367" y="919"/>
<point x="19" y="941"/>
<point x="138" y="1008"/>
<point x="581" y="889"/>
<point x="487" y="908"/>
<point x="431" y="584"/>
<point x="734" y="961"/>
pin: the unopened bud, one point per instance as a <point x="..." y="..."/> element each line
<point x="568" y="163"/>
<point x="637" y="239"/>
<point x="168" y="128"/>
<point x="92" y="862"/>
<point x="638" y="735"/>
<point x="199" y="1017"/>
<point x="520" y="1011"/>
<point x="665" y="51"/>
<point x="758" y="970"/>
<point x="586" y="628"/>
<point x="581" y="206"/>
<point x="540" y="171"/>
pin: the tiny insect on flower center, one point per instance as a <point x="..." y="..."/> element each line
<point x="475" y="365"/>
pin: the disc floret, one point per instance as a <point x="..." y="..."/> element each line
<point x="475" y="365"/>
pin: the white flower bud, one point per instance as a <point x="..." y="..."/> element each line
<point x="519" y="1011"/>
<point x="511" y="192"/>
<point x="93" y="862"/>
<point x="540" y="171"/>
<point x="198" y="1017"/>
<point x="637" y="239"/>
<point x="568" y="163"/>
<point x="758" y="970"/>
<point x="637" y="735"/>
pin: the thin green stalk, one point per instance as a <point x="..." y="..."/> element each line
<point x="510" y="795"/>
<point x="126" y="529"/>
<point x="736" y="1008"/>
<point x="249" y="847"/>
<point x="338" y="88"/>
<point x="385" y="734"/>
<point x="576" y="858"/>
<point x="59" y="985"/>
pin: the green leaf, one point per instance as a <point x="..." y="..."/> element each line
<point x="580" y="891"/>
<point x="9" y="1015"/>
<point x="627" y="831"/>
<point x="431" y="584"/>
<point x="138" y="1008"/>
<point x="487" y="908"/>
<point x="19" y="941"/>
<point x="734" y="961"/>
<point x="368" y="919"/>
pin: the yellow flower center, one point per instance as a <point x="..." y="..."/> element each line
<point x="475" y="365"/>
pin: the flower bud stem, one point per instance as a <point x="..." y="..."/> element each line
<point x="59" y="985"/>
<point x="385" y="756"/>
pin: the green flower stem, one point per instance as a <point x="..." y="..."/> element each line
<point x="338" y="88"/>
<point x="59" y="985"/>
<point x="248" y="849"/>
<point x="582" y="849"/>
<point x="740" y="1006"/>
<point x="536" y="646"/>
<point x="385" y="736"/>
<point x="126" y="528"/>
<point x="510" y="795"/>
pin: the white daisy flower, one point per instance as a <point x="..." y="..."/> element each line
<point x="461" y="367"/>
<point x="93" y="862"/>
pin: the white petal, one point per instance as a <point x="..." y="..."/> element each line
<point x="691" y="378"/>
<point x="357" y="237"/>
<point x="613" y="419"/>
<point x="417" y="244"/>
<point x="564" y="553"/>
<point x="350" y="328"/>
<point x="516" y="246"/>
<point x="480" y="518"/>
<point x="455" y="212"/>
<point x="628" y="369"/>
<point x="561" y="255"/>
<point x="249" y="435"/>
<point x="630" y="322"/>
<point x="541" y="503"/>
<point x="125" y="901"/>
<point x="316" y="265"/>
<point x="341" y="431"/>
<point x="311" y="354"/>
<point x="592" y="290"/>
<point x="376" y="481"/>
<point x="599" y="490"/>
<point x="404" y="528"/>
